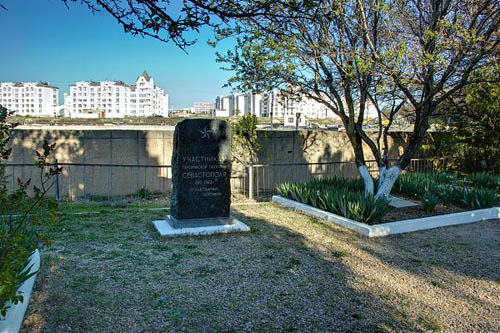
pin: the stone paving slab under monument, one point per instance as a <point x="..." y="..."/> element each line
<point x="166" y="227"/>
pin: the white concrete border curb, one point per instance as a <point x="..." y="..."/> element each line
<point x="399" y="227"/>
<point x="15" y="314"/>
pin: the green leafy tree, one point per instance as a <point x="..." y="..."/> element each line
<point x="173" y="21"/>
<point x="244" y="140"/>
<point x="20" y="211"/>
<point x="471" y="143"/>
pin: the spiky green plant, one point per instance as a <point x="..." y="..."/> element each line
<point x="480" y="198"/>
<point x="338" y="196"/>
<point x="429" y="201"/>
<point x="485" y="180"/>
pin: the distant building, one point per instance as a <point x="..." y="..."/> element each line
<point x="273" y="104"/>
<point x="115" y="99"/>
<point x="37" y="99"/>
<point x="253" y="105"/>
<point x="203" y="107"/>
<point x="237" y="104"/>
<point x="270" y="103"/>
<point x="222" y="106"/>
<point x="276" y="104"/>
<point x="295" y="120"/>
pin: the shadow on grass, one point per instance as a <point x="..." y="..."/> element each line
<point x="115" y="273"/>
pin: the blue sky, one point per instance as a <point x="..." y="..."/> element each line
<point x="44" y="41"/>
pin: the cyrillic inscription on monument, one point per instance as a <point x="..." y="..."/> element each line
<point x="201" y="169"/>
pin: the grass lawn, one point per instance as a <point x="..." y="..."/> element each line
<point x="111" y="272"/>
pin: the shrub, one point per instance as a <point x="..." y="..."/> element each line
<point x="368" y="209"/>
<point x="352" y="184"/>
<point x="20" y="211"/>
<point x="244" y="139"/>
<point x="472" y="144"/>
<point x="145" y="194"/>
<point x="449" y="195"/>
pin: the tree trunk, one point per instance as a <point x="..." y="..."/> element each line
<point x="386" y="181"/>
<point x="367" y="179"/>
<point x="381" y="175"/>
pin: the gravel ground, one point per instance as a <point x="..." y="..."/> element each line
<point x="292" y="272"/>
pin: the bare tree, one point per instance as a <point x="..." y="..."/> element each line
<point x="168" y="20"/>
<point x="439" y="44"/>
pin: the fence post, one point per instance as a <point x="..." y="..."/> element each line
<point x="250" y="181"/>
<point x="58" y="197"/>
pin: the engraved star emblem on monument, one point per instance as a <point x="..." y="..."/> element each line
<point x="205" y="133"/>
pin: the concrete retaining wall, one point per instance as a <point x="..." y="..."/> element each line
<point x="142" y="148"/>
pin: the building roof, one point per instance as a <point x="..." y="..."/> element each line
<point x="121" y="83"/>
<point x="145" y="75"/>
<point x="36" y="84"/>
<point x="45" y="85"/>
<point x="98" y="84"/>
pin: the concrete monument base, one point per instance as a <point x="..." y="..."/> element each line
<point x="209" y="226"/>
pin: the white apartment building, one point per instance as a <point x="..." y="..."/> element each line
<point x="279" y="106"/>
<point x="115" y="99"/>
<point x="295" y="120"/>
<point x="273" y="104"/>
<point x="253" y="105"/>
<point x="307" y="108"/>
<point x="222" y="106"/>
<point x="37" y="99"/>
<point x="265" y="104"/>
<point x="239" y="104"/>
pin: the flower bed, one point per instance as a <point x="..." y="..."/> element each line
<point x="437" y="193"/>
<point x="472" y="192"/>
<point x="344" y="202"/>
<point x="385" y="229"/>
<point x="340" y="196"/>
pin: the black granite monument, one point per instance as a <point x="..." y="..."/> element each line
<point x="201" y="172"/>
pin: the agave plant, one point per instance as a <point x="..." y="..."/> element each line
<point x="340" y="196"/>
<point x="482" y="179"/>
<point x="368" y="209"/>
<point x="429" y="201"/>
<point x="448" y="194"/>
<point x="480" y="198"/>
